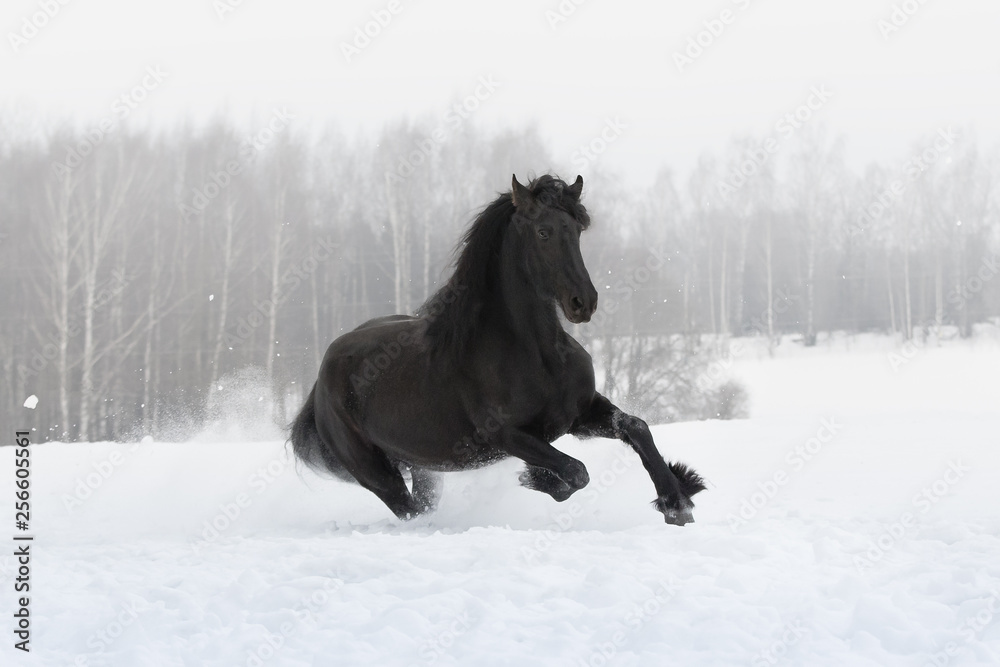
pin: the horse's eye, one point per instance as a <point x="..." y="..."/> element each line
<point x="543" y="234"/>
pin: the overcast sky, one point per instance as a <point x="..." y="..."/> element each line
<point x="606" y="60"/>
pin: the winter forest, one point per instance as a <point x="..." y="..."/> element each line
<point x="149" y="271"/>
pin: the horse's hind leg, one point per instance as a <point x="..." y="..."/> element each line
<point x="426" y="489"/>
<point x="369" y="466"/>
<point x="374" y="471"/>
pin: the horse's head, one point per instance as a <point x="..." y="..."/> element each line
<point x="550" y="218"/>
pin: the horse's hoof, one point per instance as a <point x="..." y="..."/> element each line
<point x="546" y="481"/>
<point x="576" y="475"/>
<point x="678" y="517"/>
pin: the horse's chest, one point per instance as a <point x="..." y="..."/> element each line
<point x="562" y="400"/>
<point x="544" y="392"/>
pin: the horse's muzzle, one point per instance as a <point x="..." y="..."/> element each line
<point x="580" y="309"/>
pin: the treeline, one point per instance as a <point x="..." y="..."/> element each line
<point x="144" y="270"/>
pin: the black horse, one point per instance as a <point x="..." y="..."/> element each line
<point x="484" y="371"/>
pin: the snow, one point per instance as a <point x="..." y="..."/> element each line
<point x="852" y="520"/>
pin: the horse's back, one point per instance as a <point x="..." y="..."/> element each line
<point x="380" y="342"/>
<point x="385" y="319"/>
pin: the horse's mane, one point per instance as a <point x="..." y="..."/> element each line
<point x="455" y="310"/>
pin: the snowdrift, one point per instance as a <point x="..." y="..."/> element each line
<point x="852" y="520"/>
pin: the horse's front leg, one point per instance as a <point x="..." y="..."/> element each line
<point x="549" y="470"/>
<point x="675" y="483"/>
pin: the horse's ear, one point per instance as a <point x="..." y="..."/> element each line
<point x="520" y="195"/>
<point x="577" y="187"/>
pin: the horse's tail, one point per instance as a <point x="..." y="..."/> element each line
<point x="307" y="444"/>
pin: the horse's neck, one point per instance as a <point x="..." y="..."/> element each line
<point x="532" y="321"/>
<point x="534" y="325"/>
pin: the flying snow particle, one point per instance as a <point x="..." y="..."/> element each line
<point x="211" y="297"/>
<point x="31" y="402"/>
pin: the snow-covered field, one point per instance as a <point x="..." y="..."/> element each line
<point x="852" y="520"/>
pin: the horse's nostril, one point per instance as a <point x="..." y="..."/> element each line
<point x="577" y="303"/>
